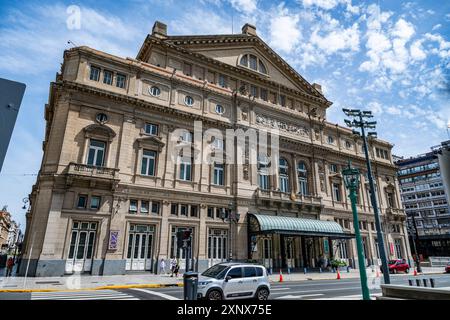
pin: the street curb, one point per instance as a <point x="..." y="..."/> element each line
<point x="130" y="286"/>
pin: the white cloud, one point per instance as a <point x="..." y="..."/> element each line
<point x="216" y="24"/>
<point x="437" y="26"/>
<point x="337" y="40"/>
<point x="246" y="6"/>
<point x="284" y="32"/>
<point x="330" y="4"/>
<point x="416" y="51"/>
<point x="393" y="110"/>
<point x="375" y="107"/>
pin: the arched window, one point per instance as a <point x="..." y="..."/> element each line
<point x="302" y="174"/>
<point x="283" y="175"/>
<point x="253" y="62"/>
<point x="263" y="172"/>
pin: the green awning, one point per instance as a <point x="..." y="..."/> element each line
<point x="260" y="223"/>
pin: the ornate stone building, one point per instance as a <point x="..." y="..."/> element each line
<point x="109" y="197"/>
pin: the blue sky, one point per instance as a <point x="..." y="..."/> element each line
<point x="391" y="57"/>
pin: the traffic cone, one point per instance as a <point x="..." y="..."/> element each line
<point x="338" y="277"/>
<point x="415" y="272"/>
<point x="281" y="276"/>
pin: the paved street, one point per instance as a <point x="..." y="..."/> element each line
<point x="344" y="289"/>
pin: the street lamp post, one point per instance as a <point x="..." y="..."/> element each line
<point x="351" y="179"/>
<point x="359" y="122"/>
<point x="233" y="216"/>
<point x="415" y="240"/>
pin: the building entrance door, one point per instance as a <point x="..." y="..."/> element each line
<point x="81" y="248"/>
<point x="140" y="248"/>
<point x="180" y="253"/>
<point x="217" y="246"/>
<point x="289" y="252"/>
<point x="267" y="252"/>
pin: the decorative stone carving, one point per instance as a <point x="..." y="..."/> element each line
<point x="321" y="176"/>
<point x="244" y="114"/>
<point x="283" y="126"/>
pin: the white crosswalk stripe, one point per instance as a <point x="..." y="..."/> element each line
<point x="82" y="295"/>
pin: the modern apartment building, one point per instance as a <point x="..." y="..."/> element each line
<point x="424" y="181"/>
<point x="111" y="196"/>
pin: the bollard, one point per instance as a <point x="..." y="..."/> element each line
<point x="425" y="283"/>
<point x="348" y="269"/>
<point x="289" y="270"/>
<point x="320" y="270"/>
<point x="304" y="270"/>
<point x="432" y="283"/>
<point x="410" y="282"/>
<point x="270" y="270"/>
<point x="418" y="282"/>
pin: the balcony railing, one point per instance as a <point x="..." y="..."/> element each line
<point x="92" y="171"/>
<point x="275" y="195"/>
<point x="395" y="211"/>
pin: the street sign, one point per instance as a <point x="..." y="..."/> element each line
<point x="11" y="94"/>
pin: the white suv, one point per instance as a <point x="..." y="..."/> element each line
<point x="234" y="281"/>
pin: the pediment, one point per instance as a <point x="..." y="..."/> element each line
<point x="229" y="49"/>
<point x="99" y="130"/>
<point x="150" y="141"/>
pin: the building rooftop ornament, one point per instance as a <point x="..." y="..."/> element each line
<point x="249" y="29"/>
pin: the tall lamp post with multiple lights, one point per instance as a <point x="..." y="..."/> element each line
<point x="351" y="180"/>
<point x="360" y="122"/>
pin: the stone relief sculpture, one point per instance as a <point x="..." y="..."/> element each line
<point x="272" y="123"/>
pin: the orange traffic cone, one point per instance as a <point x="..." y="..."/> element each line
<point x="281" y="276"/>
<point x="415" y="272"/>
<point x="338" y="277"/>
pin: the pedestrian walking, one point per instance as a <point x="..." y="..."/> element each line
<point x="9" y="266"/>
<point x="162" y="266"/>
<point x="177" y="268"/>
<point x="173" y="264"/>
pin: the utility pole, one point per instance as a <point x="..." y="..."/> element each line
<point x="359" y="122"/>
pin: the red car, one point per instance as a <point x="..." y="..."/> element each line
<point x="447" y="268"/>
<point x="398" y="265"/>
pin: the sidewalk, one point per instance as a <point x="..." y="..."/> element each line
<point x="79" y="282"/>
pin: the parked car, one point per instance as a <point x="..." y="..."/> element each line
<point x="447" y="268"/>
<point x="397" y="265"/>
<point x="234" y="281"/>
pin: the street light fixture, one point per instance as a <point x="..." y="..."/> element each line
<point x="351" y="180"/>
<point x="359" y="122"/>
<point x="233" y="216"/>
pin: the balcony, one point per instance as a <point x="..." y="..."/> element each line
<point x="91" y="173"/>
<point x="394" y="214"/>
<point x="278" y="196"/>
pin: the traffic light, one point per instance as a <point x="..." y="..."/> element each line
<point x="183" y="237"/>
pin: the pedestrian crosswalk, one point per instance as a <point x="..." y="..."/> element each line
<point x="82" y="295"/>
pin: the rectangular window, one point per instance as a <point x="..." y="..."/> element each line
<point x="144" y="206"/>
<point x="148" y="163"/>
<point x="222" y="80"/>
<point x="96" y="153"/>
<point x="95" y="74"/>
<point x="107" y="77"/>
<point x="264" y="94"/>
<point x="95" y="202"/>
<point x="210" y="212"/>
<point x="174" y="209"/>
<point x="185" y="170"/>
<point x="155" y="207"/>
<point x="218" y="174"/>
<point x="194" y="211"/>
<point x="337" y="192"/>
<point x="82" y="201"/>
<point x="120" y="80"/>
<point x="187" y="69"/>
<point x="151" y="129"/>
<point x="283" y="100"/>
<point x="333" y="168"/>
<point x="133" y="206"/>
<point x="183" y="209"/>
<point x="264" y="181"/>
<point x="254" y="91"/>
